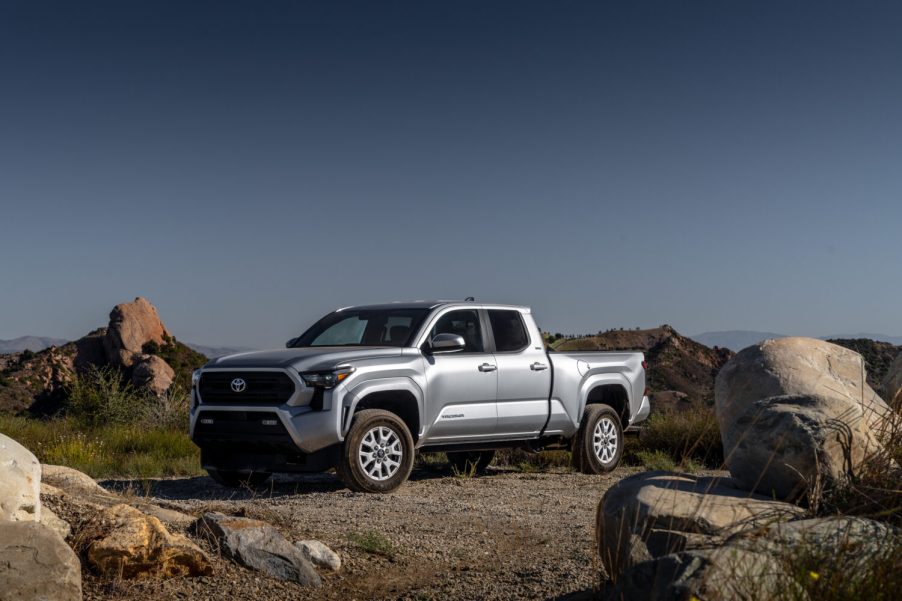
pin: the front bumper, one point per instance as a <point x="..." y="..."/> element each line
<point x="260" y="425"/>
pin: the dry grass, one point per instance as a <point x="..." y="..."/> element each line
<point x="106" y="451"/>
<point x="690" y="438"/>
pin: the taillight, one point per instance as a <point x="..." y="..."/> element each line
<point x="645" y="365"/>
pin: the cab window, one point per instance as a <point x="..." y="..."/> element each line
<point x="508" y="330"/>
<point x="464" y="323"/>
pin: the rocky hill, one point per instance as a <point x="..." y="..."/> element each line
<point x="135" y="342"/>
<point x="878" y="356"/>
<point x="678" y="367"/>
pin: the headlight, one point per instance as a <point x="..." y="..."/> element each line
<point x="327" y="379"/>
<point x="195" y="378"/>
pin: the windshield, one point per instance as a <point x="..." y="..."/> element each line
<point x="361" y="327"/>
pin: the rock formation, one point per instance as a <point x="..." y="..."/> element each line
<point x="796" y="413"/>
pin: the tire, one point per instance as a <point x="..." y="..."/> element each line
<point x="600" y="425"/>
<point x="470" y="462"/>
<point x="235" y="479"/>
<point x="362" y="467"/>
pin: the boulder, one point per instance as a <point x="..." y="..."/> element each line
<point x="892" y="384"/>
<point x="135" y="545"/>
<point x="257" y="545"/>
<point x="132" y="325"/>
<point x="858" y="538"/>
<point x="319" y="554"/>
<point x="55" y="523"/>
<point x="20" y="483"/>
<point x="70" y="480"/>
<point x="764" y="562"/>
<point x="153" y="373"/>
<point x="79" y="492"/>
<point x="35" y="563"/>
<point x="653" y="514"/>
<point x="796" y="414"/>
<point x="715" y="574"/>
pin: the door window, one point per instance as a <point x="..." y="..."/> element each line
<point x="464" y="323"/>
<point x="509" y="331"/>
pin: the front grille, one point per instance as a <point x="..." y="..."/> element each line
<point x="272" y="387"/>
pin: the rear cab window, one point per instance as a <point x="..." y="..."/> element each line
<point x="509" y="330"/>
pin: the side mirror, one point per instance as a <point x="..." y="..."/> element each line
<point x="447" y="343"/>
<point x="291" y="343"/>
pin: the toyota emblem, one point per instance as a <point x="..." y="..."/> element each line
<point x="238" y="385"/>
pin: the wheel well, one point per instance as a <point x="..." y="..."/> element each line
<point x="400" y="402"/>
<point x="614" y="396"/>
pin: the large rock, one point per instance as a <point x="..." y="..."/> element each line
<point x="653" y="514"/>
<point x="765" y="562"/>
<point x="257" y="545"/>
<point x="81" y="493"/>
<point x="132" y="325"/>
<point x="70" y="480"/>
<point x="715" y="574"/>
<point x="153" y="373"/>
<point x="20" y="483"/>
<point x="892" y="384"/>
<point x="135" y="545"/>
<point x="35" y="564"/>
<point x="795" y="415"/>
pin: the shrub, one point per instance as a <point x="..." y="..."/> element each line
<point x="845" y="571"/>
<point x="688" y="436"/>
<point x="101" y="396"/>
<point x="876" y="490"/>
<point x="373" y="542"/>
<point x="106" y="451"/>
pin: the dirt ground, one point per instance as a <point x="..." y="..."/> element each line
<point x="505" y="535"/>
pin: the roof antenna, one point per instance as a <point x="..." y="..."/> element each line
<point x="469" y="299"/>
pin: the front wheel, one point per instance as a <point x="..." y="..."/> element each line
<point x="598" y="444"/>
<point x="377" y="454"/>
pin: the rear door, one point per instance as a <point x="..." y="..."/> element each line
<point x="461" y="385"/>
<point x="524" y="375"/>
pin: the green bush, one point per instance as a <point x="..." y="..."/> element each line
<point x="689" y="436"/>
<point x="102" y="396"/>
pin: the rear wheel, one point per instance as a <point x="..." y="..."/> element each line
<point x="234" y="479"/>
<point x="598" y="445"/>
<point x="474" y="463"/>
<point x="377" y="454"/>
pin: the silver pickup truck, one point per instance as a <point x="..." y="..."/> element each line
<point x="366" y="388"/>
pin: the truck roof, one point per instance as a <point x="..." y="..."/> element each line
<point x="434" y="304"/>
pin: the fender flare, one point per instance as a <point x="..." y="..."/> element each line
<point x="362" y="390"/>
<point x="603" y="379"/>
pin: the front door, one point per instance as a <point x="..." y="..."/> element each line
<point x="462" y="385"/>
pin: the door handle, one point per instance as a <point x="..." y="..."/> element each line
<point x="487" y="367"/>
<point x="538" y="366"/>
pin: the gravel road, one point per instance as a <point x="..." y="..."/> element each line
<point x="506" y="535"/>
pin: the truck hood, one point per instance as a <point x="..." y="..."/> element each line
<point x="304" y="359"/>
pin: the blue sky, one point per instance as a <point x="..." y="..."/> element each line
<point x="250" y="166"/>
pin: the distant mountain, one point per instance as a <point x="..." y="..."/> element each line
<point x="213" y="352"/>
<point x="735" y="340"/>
<point x="894" y="340"/>
<point x="29" y="343"/>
